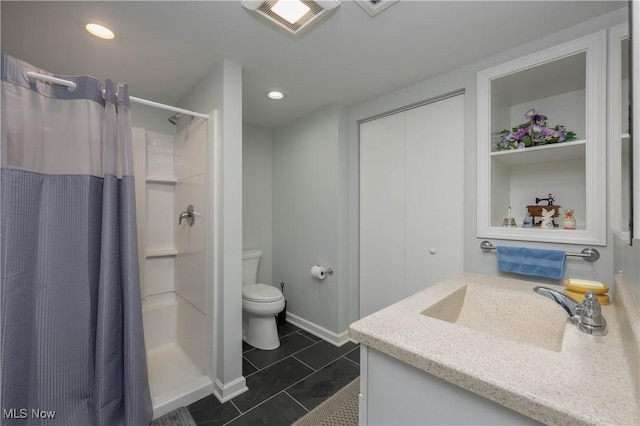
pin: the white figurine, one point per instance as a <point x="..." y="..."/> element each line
<point x="547" y="218"/>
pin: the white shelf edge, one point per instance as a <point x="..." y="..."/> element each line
<point x="625" y="136"/>
<point x="563" y="151"/>
<point x="561" y="236"/>
<point x="161" y="179"/>
<point x="160" y="253"/>
<point x="159" y="300"/>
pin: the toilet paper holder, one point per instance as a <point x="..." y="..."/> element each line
<point x="320" y="272"/>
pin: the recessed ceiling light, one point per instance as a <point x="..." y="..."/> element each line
<point x="100" y="30"/>
<point x="275" y="95"/>
<point x="291" y="10"/>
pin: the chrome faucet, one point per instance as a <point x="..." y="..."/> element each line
<point x="587" y="316"/>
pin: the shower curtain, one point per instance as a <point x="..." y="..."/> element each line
<point x="72" y="344"/>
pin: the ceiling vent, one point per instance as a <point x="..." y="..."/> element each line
<point x="306" y="14"/>
<point x="373" y="7"/>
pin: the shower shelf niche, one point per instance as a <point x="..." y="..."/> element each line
<point x="162" y="179"/>
<point x="161" y="253"/>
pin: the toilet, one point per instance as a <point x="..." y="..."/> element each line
<point x="260" y="304"/>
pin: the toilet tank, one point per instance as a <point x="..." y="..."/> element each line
<point x="250" y="260"/>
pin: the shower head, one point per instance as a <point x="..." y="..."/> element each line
<point x="174" y="119"/>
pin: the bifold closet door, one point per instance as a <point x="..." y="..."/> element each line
<point x="411" y="201"/>
<point x="382" y="213"/>
<point x="434" y="192"/>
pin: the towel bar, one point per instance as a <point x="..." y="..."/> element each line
<point x="588" y="253"/>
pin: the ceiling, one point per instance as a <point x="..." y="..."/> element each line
<point x="166" y="47"/>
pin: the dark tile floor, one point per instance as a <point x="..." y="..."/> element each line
<point x="285" y="383"/>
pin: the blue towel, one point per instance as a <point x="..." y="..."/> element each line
<point x="527" y="261"/>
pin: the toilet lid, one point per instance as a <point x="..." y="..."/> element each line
<point x="261" y="293"/>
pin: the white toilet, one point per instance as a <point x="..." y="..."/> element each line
<point x="260" y="304"/>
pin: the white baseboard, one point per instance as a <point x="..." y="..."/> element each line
<point x="225" y="392"/>
<point x="337" y="339"/>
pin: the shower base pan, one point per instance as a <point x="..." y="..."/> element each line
<point x="174" y="380"/>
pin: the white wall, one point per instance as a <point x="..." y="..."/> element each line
<point x="309" y="216"/>
<point x="257" y="160"/>
<point x="221" y="89"/>
<point x="627" y="262"/>
<point x="465" y="78"/>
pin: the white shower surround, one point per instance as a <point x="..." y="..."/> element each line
<point x="176" y="309"/>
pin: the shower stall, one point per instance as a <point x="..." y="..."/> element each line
<point x="192" y="346"/>
<point x="173" y="171"/>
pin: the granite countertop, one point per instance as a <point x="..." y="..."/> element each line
<point x="587" y="380"/>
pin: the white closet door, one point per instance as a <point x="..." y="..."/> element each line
<point x="434" y="188"/>
<point x="382" y="213"/>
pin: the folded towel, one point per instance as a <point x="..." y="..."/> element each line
<point x="527" y="261"/>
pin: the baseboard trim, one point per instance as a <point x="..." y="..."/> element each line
<point x="336" y="339"/>
<point x="225" y="392"/>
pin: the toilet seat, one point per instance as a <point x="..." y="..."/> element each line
<point x="261" y="293"/>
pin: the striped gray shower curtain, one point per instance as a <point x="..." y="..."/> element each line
<point x="72" y="345"/>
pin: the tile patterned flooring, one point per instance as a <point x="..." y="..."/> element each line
<point x="285" y="383"/>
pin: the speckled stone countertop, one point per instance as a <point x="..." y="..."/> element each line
<point x="586" y="380"/>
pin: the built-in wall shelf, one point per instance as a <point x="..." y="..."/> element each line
<point x="564" y="151"/>
<point x="161" y="179"/>
<point x="161" y="253"/>
<point x="567" y="83"/>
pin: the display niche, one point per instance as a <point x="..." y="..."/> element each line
<point x="542" y="145"/>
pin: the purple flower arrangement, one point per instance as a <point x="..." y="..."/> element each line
<point x="534" y="132"/>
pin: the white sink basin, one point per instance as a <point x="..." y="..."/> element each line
<point x="496" y="337"/>
<point x="516" y="314"/>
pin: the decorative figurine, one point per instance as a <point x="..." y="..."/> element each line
<point x="536" y="211"/>
<point x="568" y="220"/>
<point x="509" y="221"/>
<point x="550" y="200"/>
<point x="547" y="218"/>
<point x="527" y="222"/>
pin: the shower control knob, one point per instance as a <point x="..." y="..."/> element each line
<point x="189" y="215"/>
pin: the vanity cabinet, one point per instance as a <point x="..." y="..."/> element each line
<point x="395" y="393"/>
<point x="567" y="84"/>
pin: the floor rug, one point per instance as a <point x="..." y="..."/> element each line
<point x="178" y="417"/>
<point x="339" y="410"/>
